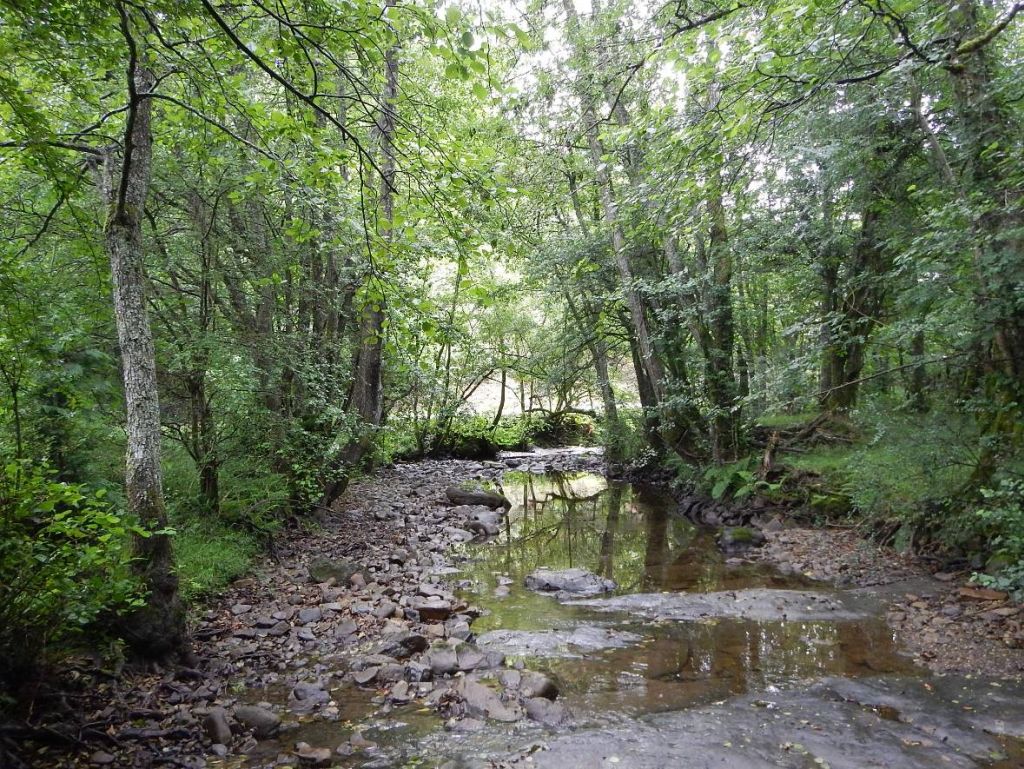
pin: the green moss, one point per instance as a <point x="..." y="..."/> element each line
<point x="823" y="460"/>
<point x="741" y="534"/>
<point x="783" y="421"/>
<point x="830" y="505"/>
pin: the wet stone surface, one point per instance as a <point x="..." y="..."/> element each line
<point x="404" y="632"/>
<point x="683" y="654"/>
<point x="895" y="723"/>
<point x="756" y="604"/>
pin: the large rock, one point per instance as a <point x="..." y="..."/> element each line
<point x="480" y="701"/>
<point x="482" y="521"/>
<point x="534" y="684"/>
<point x="443" y="660"/>
<point x="739" y="539"/>
<point x="310" y="756"/>
<point x="402" y="645"/>
<point x="545" y="711"/>
<point x="556" y="643"/>
<point x="568" y="582"/>
<point x="432" y="609"/>
<point x="472" y="658"/>
<point x="311" y="693"/>
<point x="759" y="604"/>
<point x="264" y="723"/>
<point x="460" y="496"/>
<point x="216" y="725"/>
<point x="324" y="569"/>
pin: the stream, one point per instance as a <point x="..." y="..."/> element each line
<point x="649" y="682"/>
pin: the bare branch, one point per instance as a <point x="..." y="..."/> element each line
<point x="85" y="148"/>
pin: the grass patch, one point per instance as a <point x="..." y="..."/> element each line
<point x="902" y="477"/>
<point x="211" y="555"/>
<point x="828" y="461"/>
<point x="784" y="421"/>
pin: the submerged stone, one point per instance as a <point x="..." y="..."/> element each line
<point x="556" y="643"/>
<point x="759" y="604"/>
<point x="576" y="582"/>
<point x="739" y="539"/>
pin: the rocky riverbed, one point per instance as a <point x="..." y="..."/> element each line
<point x="554" y="619"/>
<point x="946" y="623"/>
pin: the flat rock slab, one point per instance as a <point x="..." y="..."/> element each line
<point x="556" y="643"/>
<point x="835" y="723"/>
<point x="489" y="499"/>
<point x="482" y="702"/>
<point x="759" y="604"/>
<point x="566" y="583"/>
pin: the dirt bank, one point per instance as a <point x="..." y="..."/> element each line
<point x="948" y="624"/>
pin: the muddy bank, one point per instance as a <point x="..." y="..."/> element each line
<point x="947" y="624"/>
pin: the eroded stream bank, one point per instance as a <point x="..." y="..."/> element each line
<point x="390" y="638"/>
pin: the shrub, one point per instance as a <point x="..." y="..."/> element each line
<point x="210" y="555"/>
<point x="630" y="439"/>
<point x="1002" y="520"/>
<point x="63" y="563"/>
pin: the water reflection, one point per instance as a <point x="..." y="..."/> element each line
<point x="622" y="532"/>
<point x="630" y="535"/>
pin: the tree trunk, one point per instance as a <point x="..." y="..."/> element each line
<point x="858" y="314"/>
<point x="859" y="305"/>
<point x="203" y="440"/>
<point x="587" y="319"/>
<point x="366" y="397"/>
<point x="501" y="400"/>
<point x="990" y="132"/>
<point x="718" y="305"/>
<point x="646" y="355"/>
<point x="158" y="629"/>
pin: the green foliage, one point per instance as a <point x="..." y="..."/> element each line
<point x="477" y="437"/>
<point x="784" y="420"/>
<point x="1001" y="519"/>
<point x="634" y="448"/>
<point x="212" y="549"/>
<point x="736" y="480"/>
<point x="252" y="497"/>
<point x="64" y="563"/>
<point x="805" y="228"/>
<point x="903" y="480"/>
<point x="211" y="554"/>
<point x="562" y="429"/>
<point x="911" y="463"/>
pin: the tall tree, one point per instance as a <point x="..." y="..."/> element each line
<point x="158" y="629"/>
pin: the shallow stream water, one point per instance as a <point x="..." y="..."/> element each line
<point x="627" y="534"/>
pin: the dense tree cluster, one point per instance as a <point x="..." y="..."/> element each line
<point x="259" y="245"/>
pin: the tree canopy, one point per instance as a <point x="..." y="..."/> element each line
<point x="258" y="247"/>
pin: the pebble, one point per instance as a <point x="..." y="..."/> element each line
<point x="310" y="615"/>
